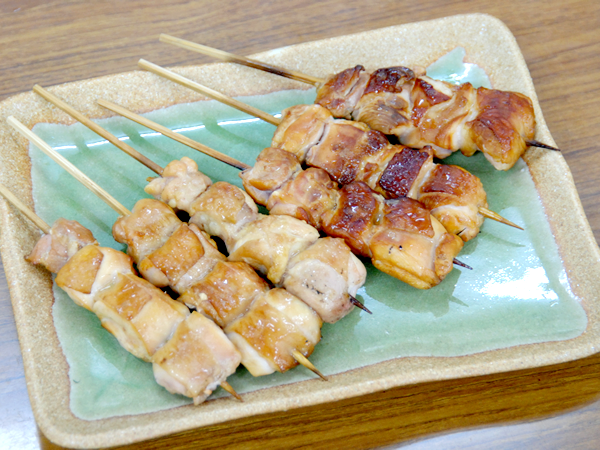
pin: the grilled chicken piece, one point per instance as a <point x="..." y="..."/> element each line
<point x="399" y="235"/>
<point x="146" y="229"/>
<point x="268" y="243"/>
<point x="447" y="189"/>
<point x="185" y="258"/>
<point x="66" y="237"/>
<point x="308" y="196"/>
<point x="324" y="276"/>
<point x="91" y="270"/>
<point x="272" y="169"/>
<point x="300" y="129"/>
<point x="139" y="315"/>
<point x="181" y="183"/>
<point x="223" y="210"/>
<point x="226" y="293"/>
<point x="276" y="324"/>
<point x="196" y="360"/>
<point x="341" y="92"/>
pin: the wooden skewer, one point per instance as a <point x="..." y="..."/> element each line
<point x="306" y="363"/>
<point x="176" y="136"/>
<point x="273" y="120"/>
<point x="206" y="91"/>
<point x="534" y="143"/>
<point x="230" y="57"/>
<point x="92" y="125"/>
<point x="497" y="217"/>
<point x="225" y="385"/>
<point x="65" y="164"/>
<point x="358" y="304"/>
<point x="24" y="209"/>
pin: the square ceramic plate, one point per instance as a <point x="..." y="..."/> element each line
<point x="555" y="262"/>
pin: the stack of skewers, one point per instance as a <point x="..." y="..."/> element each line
<point x="394" y="225"/>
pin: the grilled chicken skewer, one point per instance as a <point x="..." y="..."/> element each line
<point x="327" y="280"/>
<point x="272" y="329"/>
<point x="413" y="266"/>
<point x="418" y="110"/>
<point x="350" y="151"/>
<point x="190" y="355"/>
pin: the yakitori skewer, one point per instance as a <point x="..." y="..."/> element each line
<point x="189" y="168"/>
<point x="71" y="251"/>
<point x="208" y="266"/>
<point x="349" y="151"/>
<point x="332" y="303"/>
<point x="347" y="88"/>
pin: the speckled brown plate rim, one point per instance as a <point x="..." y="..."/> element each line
<point x="488" y="43"/>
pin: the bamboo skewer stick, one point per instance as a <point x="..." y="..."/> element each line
<point x="173" y="135"/>
<point x="65" y="164"/>
<point x="92" y="125"/>
<point x="206" y="91"/>
<point x="276" y="121"/>
<point x="230" y="57"/>
<point x="24" y="209"/>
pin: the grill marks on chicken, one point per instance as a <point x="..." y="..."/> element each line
<point x="350" y="151"/>
<point x="275" y="245"/>
<point x="421" y="111"/>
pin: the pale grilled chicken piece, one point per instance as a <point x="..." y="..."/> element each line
<point x="301" y="127"/>
<point x="146" y="229"/>
<point x="138" y="314"/>
<point x="185" y="258"/>
<point x="399" y="235"/>
<point x="223" y="211"/>
<point x="91" y="270"/>
<point x="196" y="360"/>
<point x="226" y="293"/>
<point x="324" y="276"/>
<point x="276" y="324"/>
<point x="66" y="237"/>
<point x="268" y="243"/>
<point x="180" y="184"/>
<point x="421" y="111"/>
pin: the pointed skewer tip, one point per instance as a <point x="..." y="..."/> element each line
<point x="306" y="363"/>
<point x="225" y="385"/>
<point x="534" y="143"/>
<point x="358" y="304"/>
<point x="461" y="264"/>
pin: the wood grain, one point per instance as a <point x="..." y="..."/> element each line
<point x="53" y="42"/>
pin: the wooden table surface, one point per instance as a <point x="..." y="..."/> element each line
<point x="52" y="42"/>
